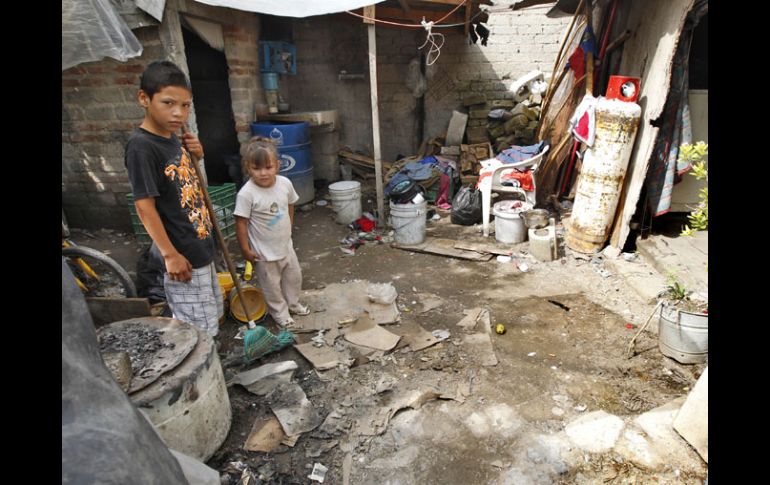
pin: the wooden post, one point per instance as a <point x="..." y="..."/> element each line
<point x="376" y="122"/>
<point x="589" y="54"/>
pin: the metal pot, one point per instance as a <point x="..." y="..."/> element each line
<point x="535" y="218"/>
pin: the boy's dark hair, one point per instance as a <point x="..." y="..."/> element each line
<point x="161" y="74"/>
<point x="260" y="152"/>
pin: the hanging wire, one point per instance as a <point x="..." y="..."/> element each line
<point x="410" y="25"/>
<point x="435" y="49"/>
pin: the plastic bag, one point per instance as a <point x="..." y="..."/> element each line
<point x="383" y="293"/>
<point x="466" y="207"/>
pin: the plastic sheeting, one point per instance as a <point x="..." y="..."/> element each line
<point x="92" y="30"/>
<point x="291" y="8"/>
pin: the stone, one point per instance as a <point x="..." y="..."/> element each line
<point x="474" y="99"/>
<point x="692" y="422"/>
<point x="477" y="135"/>
<point x="496" y="131"/>
<point x="453" y="150"/>
<point x="658" y="425"/>
<point x="502" y="103"/>
<point x="595" y="432"/>
<point x="479" y="114"/>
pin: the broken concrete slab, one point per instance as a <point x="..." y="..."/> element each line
<point x="266" y="435"/>
<point x="497" y="419"/>
<point x="368" y="334"/>
<point x="263" y="379"/>
<point x="456" y="130"/>
<point x="293" y="409"/>
<point x="595" y="432"/>
<point x="692" y="422"/>
<point x="658" y="425"/>
<point x="636" y="448"/>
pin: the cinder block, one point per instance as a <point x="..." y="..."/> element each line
<point x="477" y="134"/>
<point x="474" y="99"/>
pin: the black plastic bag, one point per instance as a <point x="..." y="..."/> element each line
<point x="466" y="207"/>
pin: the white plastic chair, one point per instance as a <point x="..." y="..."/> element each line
<point x="492" y="183"/>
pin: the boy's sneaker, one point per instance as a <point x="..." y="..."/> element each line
<point x="299" y="309"/>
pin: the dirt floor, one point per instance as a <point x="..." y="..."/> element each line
<point x="563" y="355"/>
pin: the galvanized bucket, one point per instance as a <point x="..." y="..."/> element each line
<point x="683" y="336"/>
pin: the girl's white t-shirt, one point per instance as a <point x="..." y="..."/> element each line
<point x="268" y="212"/>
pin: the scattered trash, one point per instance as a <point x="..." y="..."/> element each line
<point x="348" y="251"/>
<point x="630" y="326"/>
<point x="436" y="217"/>
<point x="441" y="334"/>
<point x="580" y="408"/>
<point x="531" y="354"/>
<point x="321" y="203"/>
<point x="419" y="339"/>
<point x="322" y="358"/>
<point x="500" y="329"/>
<point x="266" y="471"/>
<point x="383" y="293"/>
<point x="560" y="305"/>
<point x="630" y="256"/>
<point x="603" y="273"/>
<point x="557" y="411"/>
<point x="266" y="435"/>
<point x="553" y="367"/>
<point x="263" y="379"/>
<point x="292" y="408"/>
<point x="503" y="259"/>
<point x="318" y="339"/>
<point x="523" y="267"/>
<point x="429" y="301"/>
<point x="319" y="473"/>
<point x="367" y="333"/>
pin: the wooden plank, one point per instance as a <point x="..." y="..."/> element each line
<point x="443" y="247"/>
<point x="363" y="159"/>
<point x="483" y="248"/>
<point x="108" y="310"/>
<point x="468" y="9"/>
<point x="369" y="14"/>
<point x="648" y="54"/>
<point x="376" y="125"/>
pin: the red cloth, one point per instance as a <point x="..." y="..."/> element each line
<point x="524" y="178"/>
<point x="577" y="61"/>
<point x="365" y="224"/>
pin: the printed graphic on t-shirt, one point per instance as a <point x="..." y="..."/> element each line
<point x="277" y="217"/>
<point x="191" y="196"/>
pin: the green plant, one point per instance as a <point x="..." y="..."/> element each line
<point x="699" y="217"/>
<point x="675" y="289"/>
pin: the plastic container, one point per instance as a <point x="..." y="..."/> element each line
<point x="409" y="222"/>
<point x="255" y="302"/>
<point x="226" y="283"/>
<point x="346" y="200"/>
<point x="509" y="226"/>
<point x="270" y="81"/>
<point x="293" y="141"/>
<point x="222" y="201"/>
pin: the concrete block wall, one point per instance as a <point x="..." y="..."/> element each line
<point x="100" y="109"/>
<point x="519" y="42"/>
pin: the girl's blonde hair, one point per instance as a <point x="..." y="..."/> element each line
<point x="260" y="152"/>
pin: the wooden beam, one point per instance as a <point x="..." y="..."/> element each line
<point x="376" y="125"/>
<point x="468" y="9"/>
<point x="404" y="5"/>
<point x="369" y="14"/>
<point x="416" y="15"/>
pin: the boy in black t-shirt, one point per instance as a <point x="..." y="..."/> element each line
<point x="169" y="200"/>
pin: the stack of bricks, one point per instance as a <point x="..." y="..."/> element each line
<point x="503" y="122"/>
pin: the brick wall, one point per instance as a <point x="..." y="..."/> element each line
<point x="100" y="109"/>
<point x="520" y="42"/>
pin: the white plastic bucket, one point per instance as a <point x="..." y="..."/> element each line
<point x="346" y="200"/>
<point x="509" y="226"/>
<point x="409" y="222"/>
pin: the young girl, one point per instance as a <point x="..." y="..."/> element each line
<point x="264" y="210"/>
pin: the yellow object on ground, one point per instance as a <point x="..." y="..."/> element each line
<point x="226" y="283"/>
<point x="255" y="302"/>
<point x="500" y="328"/>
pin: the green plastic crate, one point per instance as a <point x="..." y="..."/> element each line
<point x="222" y="200"/>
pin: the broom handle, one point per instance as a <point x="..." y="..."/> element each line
<point x="220" y="238"/>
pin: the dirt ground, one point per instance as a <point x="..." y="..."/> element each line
<point x="563" y="355"/>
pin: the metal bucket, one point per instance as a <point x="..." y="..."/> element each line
<point x="683" y="336"/>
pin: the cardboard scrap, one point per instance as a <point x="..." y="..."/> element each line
<point x="480" y="345"/>
<point x="343" y="302"/>
<point x="266" y="435"/>
<point x="419" y="338"/>
<point x="470" y="319"/>
<point x="292" y="408"/>
<point x="290" y="441"/>
<point x="322" y="358"/>
<point x="429" y="301"/>
<point x="376" y="424"/>
<point x="263" y="379"/>
<point x="368" y="334"/>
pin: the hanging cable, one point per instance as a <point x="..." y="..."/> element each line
<point x="435" y="48"/>
<point x="410" y="25"/>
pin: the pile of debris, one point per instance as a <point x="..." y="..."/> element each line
<point x="506" y="122"/>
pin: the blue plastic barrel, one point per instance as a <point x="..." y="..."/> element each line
<point x="293" y="140"/>
<point x="270" y="81"/>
